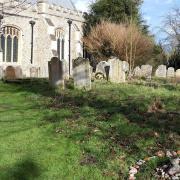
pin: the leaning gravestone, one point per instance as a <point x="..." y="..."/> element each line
<point x="9" y="73"/>
<point x="56" y="78"/>
<point x="101" y="68"/>
<point x="116" y="73"/>
<point x="82" y="73"/>
<point x="137" y="72"/>
<point x="1" y="73"/>
<point x="34" y="72"/>
<point x="178" y="75"/>
<point x="146" y="71"/>
<point x="170" y="72"/>
<point x="161" y="71"/>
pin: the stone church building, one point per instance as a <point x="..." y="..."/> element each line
<point x="34" y="32"/>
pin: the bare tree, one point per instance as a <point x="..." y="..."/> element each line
<point x="171" y="27"/>
<point x="124" y="41"/>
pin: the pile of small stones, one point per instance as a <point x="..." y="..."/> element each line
<point x="170" y="171"/>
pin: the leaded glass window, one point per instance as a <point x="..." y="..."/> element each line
<point x="60" y="43"/>
<point x="3" y="46"/>
<point x="15" y="49"/>
<point x="8" y="49"/>
<point x="10" y="44"/>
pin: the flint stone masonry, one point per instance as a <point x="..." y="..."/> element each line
<point x="170" y="72"/>
<point x="161" y="71"/>
<point x="146" y="71"/>
<point x="178" y="75"/>
<point x="47" y="21"/>
<point x="82" y="73"/>
<point x="101" y="68"/>
<point x="56" y="78"/>
<point x="34" y="72"/>
<point x="116" y="73"/>
<point x="137" y="72"/>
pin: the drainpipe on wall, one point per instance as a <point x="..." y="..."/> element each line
<point x="32" y="23"/>
<point x="70" y="23"/>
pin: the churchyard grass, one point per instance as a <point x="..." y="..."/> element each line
<point x="74" y="134"/>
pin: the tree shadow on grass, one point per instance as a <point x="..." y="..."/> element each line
<point x="26" y="169"/>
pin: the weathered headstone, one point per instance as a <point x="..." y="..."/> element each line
<point x="146" y="71"/>
<point x="34" y="72"/>
<point x="82" y="73"/>
<point x="116" y="73"/>
<point x="137" y="72"/>
<point x="56" y="78"/>
<point x="161" y="71"/>
<point x="65" y="69"/>
<point x="125" y="66"/>
<point x="18" y="72"/>
<point x="170" y="72"/>
<point x="1" y="72"/>
<point x="9" y="73"/>
<point x="178" y="75"/>
<point x="103" y="68"/>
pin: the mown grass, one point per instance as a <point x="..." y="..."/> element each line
<point x="74" y="134"/>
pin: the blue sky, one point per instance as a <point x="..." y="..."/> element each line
<point x="153" y="12"/>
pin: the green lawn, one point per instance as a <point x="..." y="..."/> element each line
<point x="84" y="135"/>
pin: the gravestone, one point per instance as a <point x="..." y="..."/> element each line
<point x="116" y="73"/>
<point x="65" y="69"/>
<point x="103" y="68"/>
<point x="1" y="73"/>
<point x="56" y="78"/>
<point x="146" y="71"/>
<point x="178" y="75"/>
<point x="34" y="72"/>
<point x="125" y="66"/>
<point x="9" y="73"/>
<point x="161" y="71"/>
<point x="137" y="72"/>
<point x="82" y="73"/>
<point x="18" y="72"/>
<point x="170" y="72"/>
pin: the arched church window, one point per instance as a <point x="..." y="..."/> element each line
<point x="10" y="43"/>
<point x="15" y="49"/>
<point x="60" y="43"/>
<point x="3" y="45"/>
<point x="59" y="47"/>
<point x="8" y="48"/>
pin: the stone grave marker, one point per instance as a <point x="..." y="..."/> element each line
<point x="56" y="78"/>
<point x="125" y="66"/>
<point x="18" y="72"/>
<point x="161" y="71"/>
<point x="178" y="75"/>
<point x="9" y="73"/>
<point x="137" y="72"/>
<point x="65" y="69"/>
<point x="116" y="73"/>
<point x="82" y="73"/>
<point x="103" y="68"/>
<point x="146" y="71"/>
<point x="170" y="72"/>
